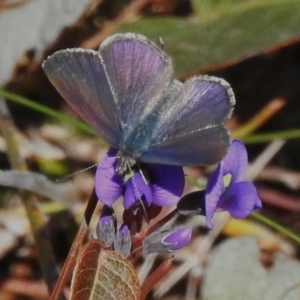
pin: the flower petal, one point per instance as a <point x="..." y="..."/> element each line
<point x="213" y="192"/>
<point x="240" y="199"/>
<point x="136" y="188"/>
<point x="108" y="184"/>
<point x="235" y="161"/>
<point x="166" y="182"/>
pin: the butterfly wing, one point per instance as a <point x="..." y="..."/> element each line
<point x="191" y="128"/>
<point x="80" y="78"/>
<point x="114" y="88"/>
<point x="139" y="73"/>
<point x="125" y="93"/>
<point x="164" y="122"/>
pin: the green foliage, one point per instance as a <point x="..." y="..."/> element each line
<point x="233" y="34"/>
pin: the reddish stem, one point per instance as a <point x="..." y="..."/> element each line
<point x="138" y="238"/>
<point x="155" y="277"/>
<point x="75" y="248"/>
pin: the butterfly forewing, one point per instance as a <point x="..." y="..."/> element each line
<point x="139" y="74"/>
<point x="79" y="77"/>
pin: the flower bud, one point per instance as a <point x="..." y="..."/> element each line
<point x="167" y="240"/>
<point x="106" y="227"/>
<point x="122" y="241"/>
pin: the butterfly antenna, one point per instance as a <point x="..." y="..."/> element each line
<point x="143" y="175"/>
<point x="66" y="177"/>
<point x="144" y="211"/>
<point x="141" y="201"/>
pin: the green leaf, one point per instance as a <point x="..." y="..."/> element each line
<point x="46" y="111"/>
<point x="236" y="33"/>
<point x="208" y="8"/>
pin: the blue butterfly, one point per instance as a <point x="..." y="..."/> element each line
<point x="127" y="94"/>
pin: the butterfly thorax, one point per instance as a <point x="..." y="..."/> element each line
<point x="124" y="162"/>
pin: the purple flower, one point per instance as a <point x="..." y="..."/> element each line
<point x="239" y="198"/>
<point x="166" y="240"/>
<point x="108" y="184"/>
<point x="157" y="184"/>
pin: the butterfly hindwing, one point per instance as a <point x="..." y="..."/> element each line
<point x="192" y="130"/>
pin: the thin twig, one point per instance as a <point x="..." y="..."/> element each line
<point x="193" y="283"/>
<point x="261" y="117"/>
<point x="263" y="159"/>
<point x="155" y="277"/>
<point x="198" y="258"/>
<point x="128" y="13"/>
<point x="279" y="174"/>
<point x="165" y="222"/>
<point x="279" y="200"/>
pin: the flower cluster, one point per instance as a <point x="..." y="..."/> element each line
<point x="126" y="92"/>
<point x="239" y="197"/>
<point x="153" y="185"/>
<point x="145" y="190"/>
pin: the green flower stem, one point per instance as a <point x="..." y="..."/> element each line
<point x="251" y="139"/>
<point x="45" y="110"/>
<point x="270" y="136"/>
<point x="276" y="226"/>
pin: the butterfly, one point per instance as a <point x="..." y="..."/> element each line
<point x="126" y="92"/>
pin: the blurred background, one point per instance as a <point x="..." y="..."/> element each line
<point x="254" y="45"/>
